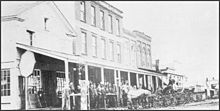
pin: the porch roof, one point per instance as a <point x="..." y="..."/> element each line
<point x="49" y="53"/>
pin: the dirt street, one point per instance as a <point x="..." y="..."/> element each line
<point x="212" y="104"/>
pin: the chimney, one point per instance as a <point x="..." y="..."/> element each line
<point x="157" y="65"/>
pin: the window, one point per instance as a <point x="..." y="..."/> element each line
<point x="82" y="11"/>
<point x="60" y="82"/>
<point x="103" y="48"/>
<point x="139" y="55"/>
<point x="111" y="50"/>
<point x="5" y="82"/>
<point x="148" y="57"/>
<point x="31" y="36"/>
<point x="93" y="16"/>
<point x="110" y="28"/>
<point x="144" y="56"/>
<point x="94" y="45"/>
<point x="45" y="23"/>
<point x="117" y="27"/>
<point x="118" y="53"/>
<point x="84" y="50"/>
<point x="34" y="81"/>
<point x="102" y="23"/>
<point x="133" y="53"/>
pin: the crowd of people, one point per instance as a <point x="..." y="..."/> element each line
<point x="102" y="95"/>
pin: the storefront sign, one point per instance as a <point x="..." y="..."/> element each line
<point x="27" y="63"/>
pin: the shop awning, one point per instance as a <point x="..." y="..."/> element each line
<point x="49" y="53"/>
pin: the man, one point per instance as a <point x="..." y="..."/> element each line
<point x="66" y="96"/>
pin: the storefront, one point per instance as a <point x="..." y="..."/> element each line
<point x="124" y="76"/>
<point x="109" y="76"/>
<point x="94" y="74"/>
<point x="45" y="85"/>
<point x="133" y="79"/>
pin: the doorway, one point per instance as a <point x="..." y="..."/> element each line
<point x="49" y="87"/>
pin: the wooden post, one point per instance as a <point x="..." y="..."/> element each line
<point x="66" y="71"/>
<point x="67" y="76"/>
<point x="102" y="75"/>
<point x="129" y="78"/>
<point x="26" y="94"/>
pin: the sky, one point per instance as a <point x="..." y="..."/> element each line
<point x="185" y="35"/>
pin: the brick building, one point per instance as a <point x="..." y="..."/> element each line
<point x="71" y="41"/>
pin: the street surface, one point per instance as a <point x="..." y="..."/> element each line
<point x="211" y="104"/>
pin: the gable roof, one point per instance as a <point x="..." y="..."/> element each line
<point x="14" y="9"/>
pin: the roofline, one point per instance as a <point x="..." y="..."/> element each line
<point x="112" y="6"/>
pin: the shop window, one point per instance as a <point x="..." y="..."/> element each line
<point x="5" y="82"/>
<point x="124" y="76"/>
<point x="60" y="82"/>
<point x="109" y="75"/>
<point x="133" y="79"/>
<point x="34" y="82"/>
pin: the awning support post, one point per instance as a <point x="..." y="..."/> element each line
<point x="66" y="71"/>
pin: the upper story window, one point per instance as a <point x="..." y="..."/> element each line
<point x="94" y="45"/>
<point x="82" y="11"/>
<point x="144" y="59"/>
<point x="111" y="50"/>
<point x="133" y="53"/>
<point x="139" y="54"/>
<point x="93" y="16"/>
<point x="110" y="26"/>
<point x="118" y="53"/>
<point x="102" y="20"/>
<point x="84" y="43"/>
<point x="46" y="23"/>
<point x="148" y="57"/>
<point x="117" y="27"/>
<point x="5" y="82"/>
<point x="103" y="48"/>
<point x="31" y="33"/>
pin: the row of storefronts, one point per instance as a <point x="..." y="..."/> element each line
<point x="63" y="52"/>
<point x="49" y="77"/>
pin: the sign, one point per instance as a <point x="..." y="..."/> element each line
<point x="84" y="91"/>
<point x="27" y="63"/>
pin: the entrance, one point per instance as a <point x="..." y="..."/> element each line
<point x="154" y="82"/>
<point x="49" y="85"/>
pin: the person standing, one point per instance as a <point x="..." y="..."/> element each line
<point x="66" y="96"/>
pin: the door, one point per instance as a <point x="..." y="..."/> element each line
<point x="49" y="86"/>
<point x="21" y="86"/>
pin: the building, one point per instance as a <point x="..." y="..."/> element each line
<point x="87" y="43"/>
<point x="180" y="80"/>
